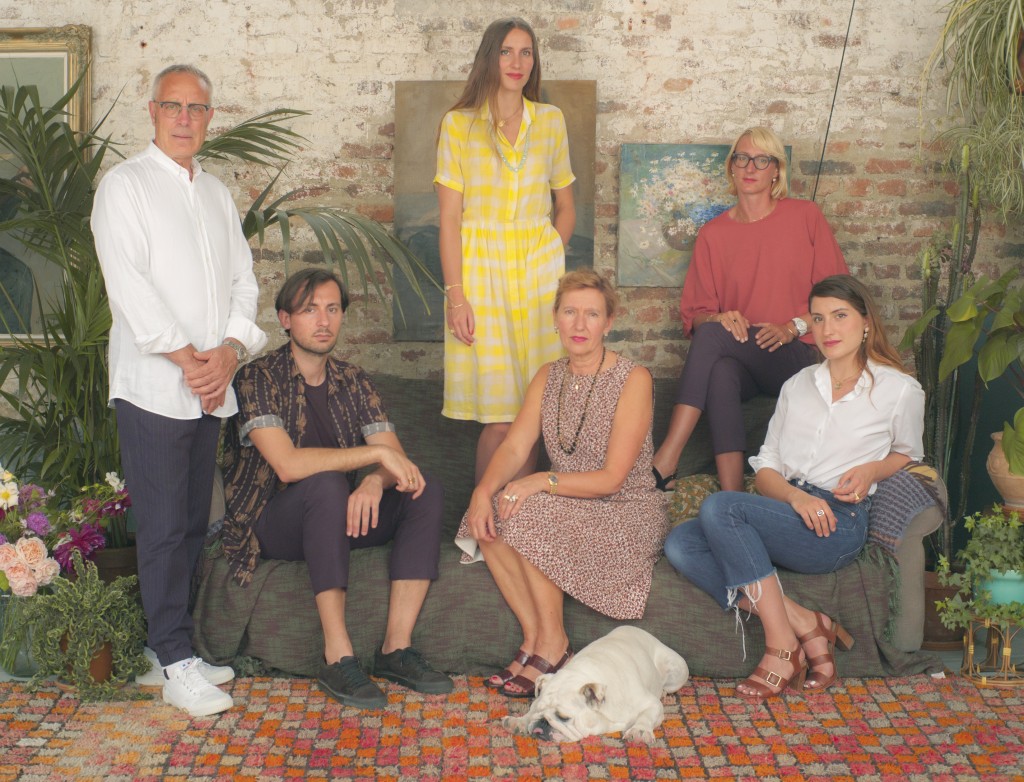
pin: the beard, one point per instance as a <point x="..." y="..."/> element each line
<point x="315" y="348"/>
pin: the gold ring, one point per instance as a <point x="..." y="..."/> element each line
<point x="515" y="497"/>
<point x="509" y="498"/>
<point x="857" y="496"/>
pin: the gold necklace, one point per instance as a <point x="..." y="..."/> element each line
<point x="837" y="384"/>
<point x="501" y="122"/>
<point x="570" y="449"/>
<point x="756" y="219"/>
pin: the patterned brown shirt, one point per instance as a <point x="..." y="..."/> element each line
<point x="271" y="392"/>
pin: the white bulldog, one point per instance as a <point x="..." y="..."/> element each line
<point x="613" y="684"/>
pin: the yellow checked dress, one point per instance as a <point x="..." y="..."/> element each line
<point x="512" y="256"/>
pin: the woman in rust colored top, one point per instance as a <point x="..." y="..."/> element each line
<point x="744" y="304"/>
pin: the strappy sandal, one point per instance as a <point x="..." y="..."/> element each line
<point x="499" y="680"/>
<point x="774" y="681"/>
<point x="836" y="635"/>
<point x="527" y="687"/>
<point x="661" y="482"/>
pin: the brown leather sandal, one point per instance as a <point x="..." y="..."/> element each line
<point x="527" y="687"/>
<point x="499" y="680"/>
<point x="836" y="635"/>
<point x="774" y="681"/>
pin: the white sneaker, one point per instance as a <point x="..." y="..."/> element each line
<point x="187" y="688"/>
<point x="154" y="677"/>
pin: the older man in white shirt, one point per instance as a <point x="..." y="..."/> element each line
<point x="183" y="296"/>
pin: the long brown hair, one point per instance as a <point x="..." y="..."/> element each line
<point x="485" y="78"/>
<point x="876" y="345"/>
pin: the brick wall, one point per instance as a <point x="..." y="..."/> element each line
<point x="667" y="71"/>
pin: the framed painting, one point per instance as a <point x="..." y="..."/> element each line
<point x="50" y="59"/>
<point x="666" y="193"/>
<point x="419" y="109"/>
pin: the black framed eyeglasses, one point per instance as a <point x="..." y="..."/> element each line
<point x="761" y="162"/>
<point x="171" y="109"/>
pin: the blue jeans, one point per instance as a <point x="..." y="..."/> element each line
<point x="739" y="538"/>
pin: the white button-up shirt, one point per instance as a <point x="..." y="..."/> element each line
<point x="178" y="271"/>
<point x="813" y="439"/>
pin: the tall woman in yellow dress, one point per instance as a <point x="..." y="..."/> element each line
<point x="501" y="157"/>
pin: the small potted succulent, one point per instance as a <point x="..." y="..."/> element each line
<point x="991" y="585"/>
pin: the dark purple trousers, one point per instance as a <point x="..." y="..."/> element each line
<point x="721" y="373"/>
<point x="306" y="521"/>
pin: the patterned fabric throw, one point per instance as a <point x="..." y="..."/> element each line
<point x="898" y="500"/>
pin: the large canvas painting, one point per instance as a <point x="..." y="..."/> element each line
<point x="49" y="59"/>
<point x="419" y="108"/>
<point x="666" y="193"/>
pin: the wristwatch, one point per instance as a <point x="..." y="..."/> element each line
<point x="552" y="483"/>
<point x="801" y="326"/>
<point x="240" y="352"/>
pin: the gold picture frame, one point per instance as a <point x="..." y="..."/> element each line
<point x="51" y="59"/>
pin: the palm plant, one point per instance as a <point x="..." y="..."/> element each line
<point x="62" y="433"/>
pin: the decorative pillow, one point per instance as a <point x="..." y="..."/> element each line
<point x="692" y="490"/>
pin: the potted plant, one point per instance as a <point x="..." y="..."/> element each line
<point x="84" y="619"/>
<point x="989" y="318"/>
<point x="991" y="585"/>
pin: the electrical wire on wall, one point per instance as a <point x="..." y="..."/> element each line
<point x="835" y="92"/>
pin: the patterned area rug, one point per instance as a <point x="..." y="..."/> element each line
<point x="917" y="728"/>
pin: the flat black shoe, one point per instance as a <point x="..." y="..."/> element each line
<point x="347" y="683"/>
<point x="661" y="482"/>
<point x="410" y="669"/>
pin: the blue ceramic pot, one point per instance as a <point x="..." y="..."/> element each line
<point x="1005" y="587"/>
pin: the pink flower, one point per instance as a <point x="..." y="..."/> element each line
<point x="22" y="579"/>
<point x="47" y="571"/>
<point x="87" y="539"/>
<point x="32" y="551"/>
<point x="8" y="556"/>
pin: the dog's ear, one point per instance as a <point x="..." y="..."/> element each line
<point x="539" y="684"/>
<point x="593" y="693"/>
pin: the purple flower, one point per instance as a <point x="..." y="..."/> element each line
<point x="31" y="497"/>
<point x="38" y="523"/>
<point x="88" y="539"/>
<point x="3" y="538"/>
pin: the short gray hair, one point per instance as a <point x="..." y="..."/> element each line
<point x="191" y="70"/>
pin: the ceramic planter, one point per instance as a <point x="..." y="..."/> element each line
<point x="1005" y="587"/>
<point x="1009" y="485"/>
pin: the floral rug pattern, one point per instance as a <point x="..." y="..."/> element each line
<point x="915" y="728"/>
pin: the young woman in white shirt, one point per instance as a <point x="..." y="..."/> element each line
<point x="839" y="428"/>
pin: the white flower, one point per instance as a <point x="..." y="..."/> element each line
<point x="8" y="493"/>
<point x="115" y="481"/>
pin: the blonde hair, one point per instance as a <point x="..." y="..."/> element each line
<point x="588" y="279"/>
<point x="765" y="139"/>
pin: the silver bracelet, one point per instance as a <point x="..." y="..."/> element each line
<point x="240" y="352"/>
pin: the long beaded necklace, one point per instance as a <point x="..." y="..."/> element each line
<point x="501" y="153"/>
<point x="571" y="449"/>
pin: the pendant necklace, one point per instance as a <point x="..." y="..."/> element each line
<point x="501" y="122"/>
<point x="837" y="384"/>
<point x="501" y="153"/>
<point x="570" y="449"/>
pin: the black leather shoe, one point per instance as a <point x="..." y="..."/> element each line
<point x="347" y="683"/>
<point x="410" y="669"/>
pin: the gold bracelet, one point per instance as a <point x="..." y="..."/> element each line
<point x="449" y="287"/>
<point x="456" y="306"/>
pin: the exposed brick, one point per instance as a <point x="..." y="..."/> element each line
<point x="889" y="272"/>
<point x="677" y="84"/>
<point x="886" y="166"/>
<point x="382" y="213"/>
<point x="828" y="167"/>
<point x="932" y="208"/>
<point x="893" y="187"/>
<point x="858" y="187"/>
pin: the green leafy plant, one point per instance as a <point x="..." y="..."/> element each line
<point x="996" y="543"/>
<point x="978" y="52"/>
<point x="71" y="624"/>
<point x="62" y="432"/>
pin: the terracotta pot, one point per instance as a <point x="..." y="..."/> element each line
<point x="938" y="637"/>
<point x="101" y="668"/>
<point x="1009" y="485"/>
<point x="114" y="562"/>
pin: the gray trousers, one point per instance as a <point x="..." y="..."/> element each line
<point x="168" y="469"/>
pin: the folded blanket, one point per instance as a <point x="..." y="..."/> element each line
<point x="898" y="499"/>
